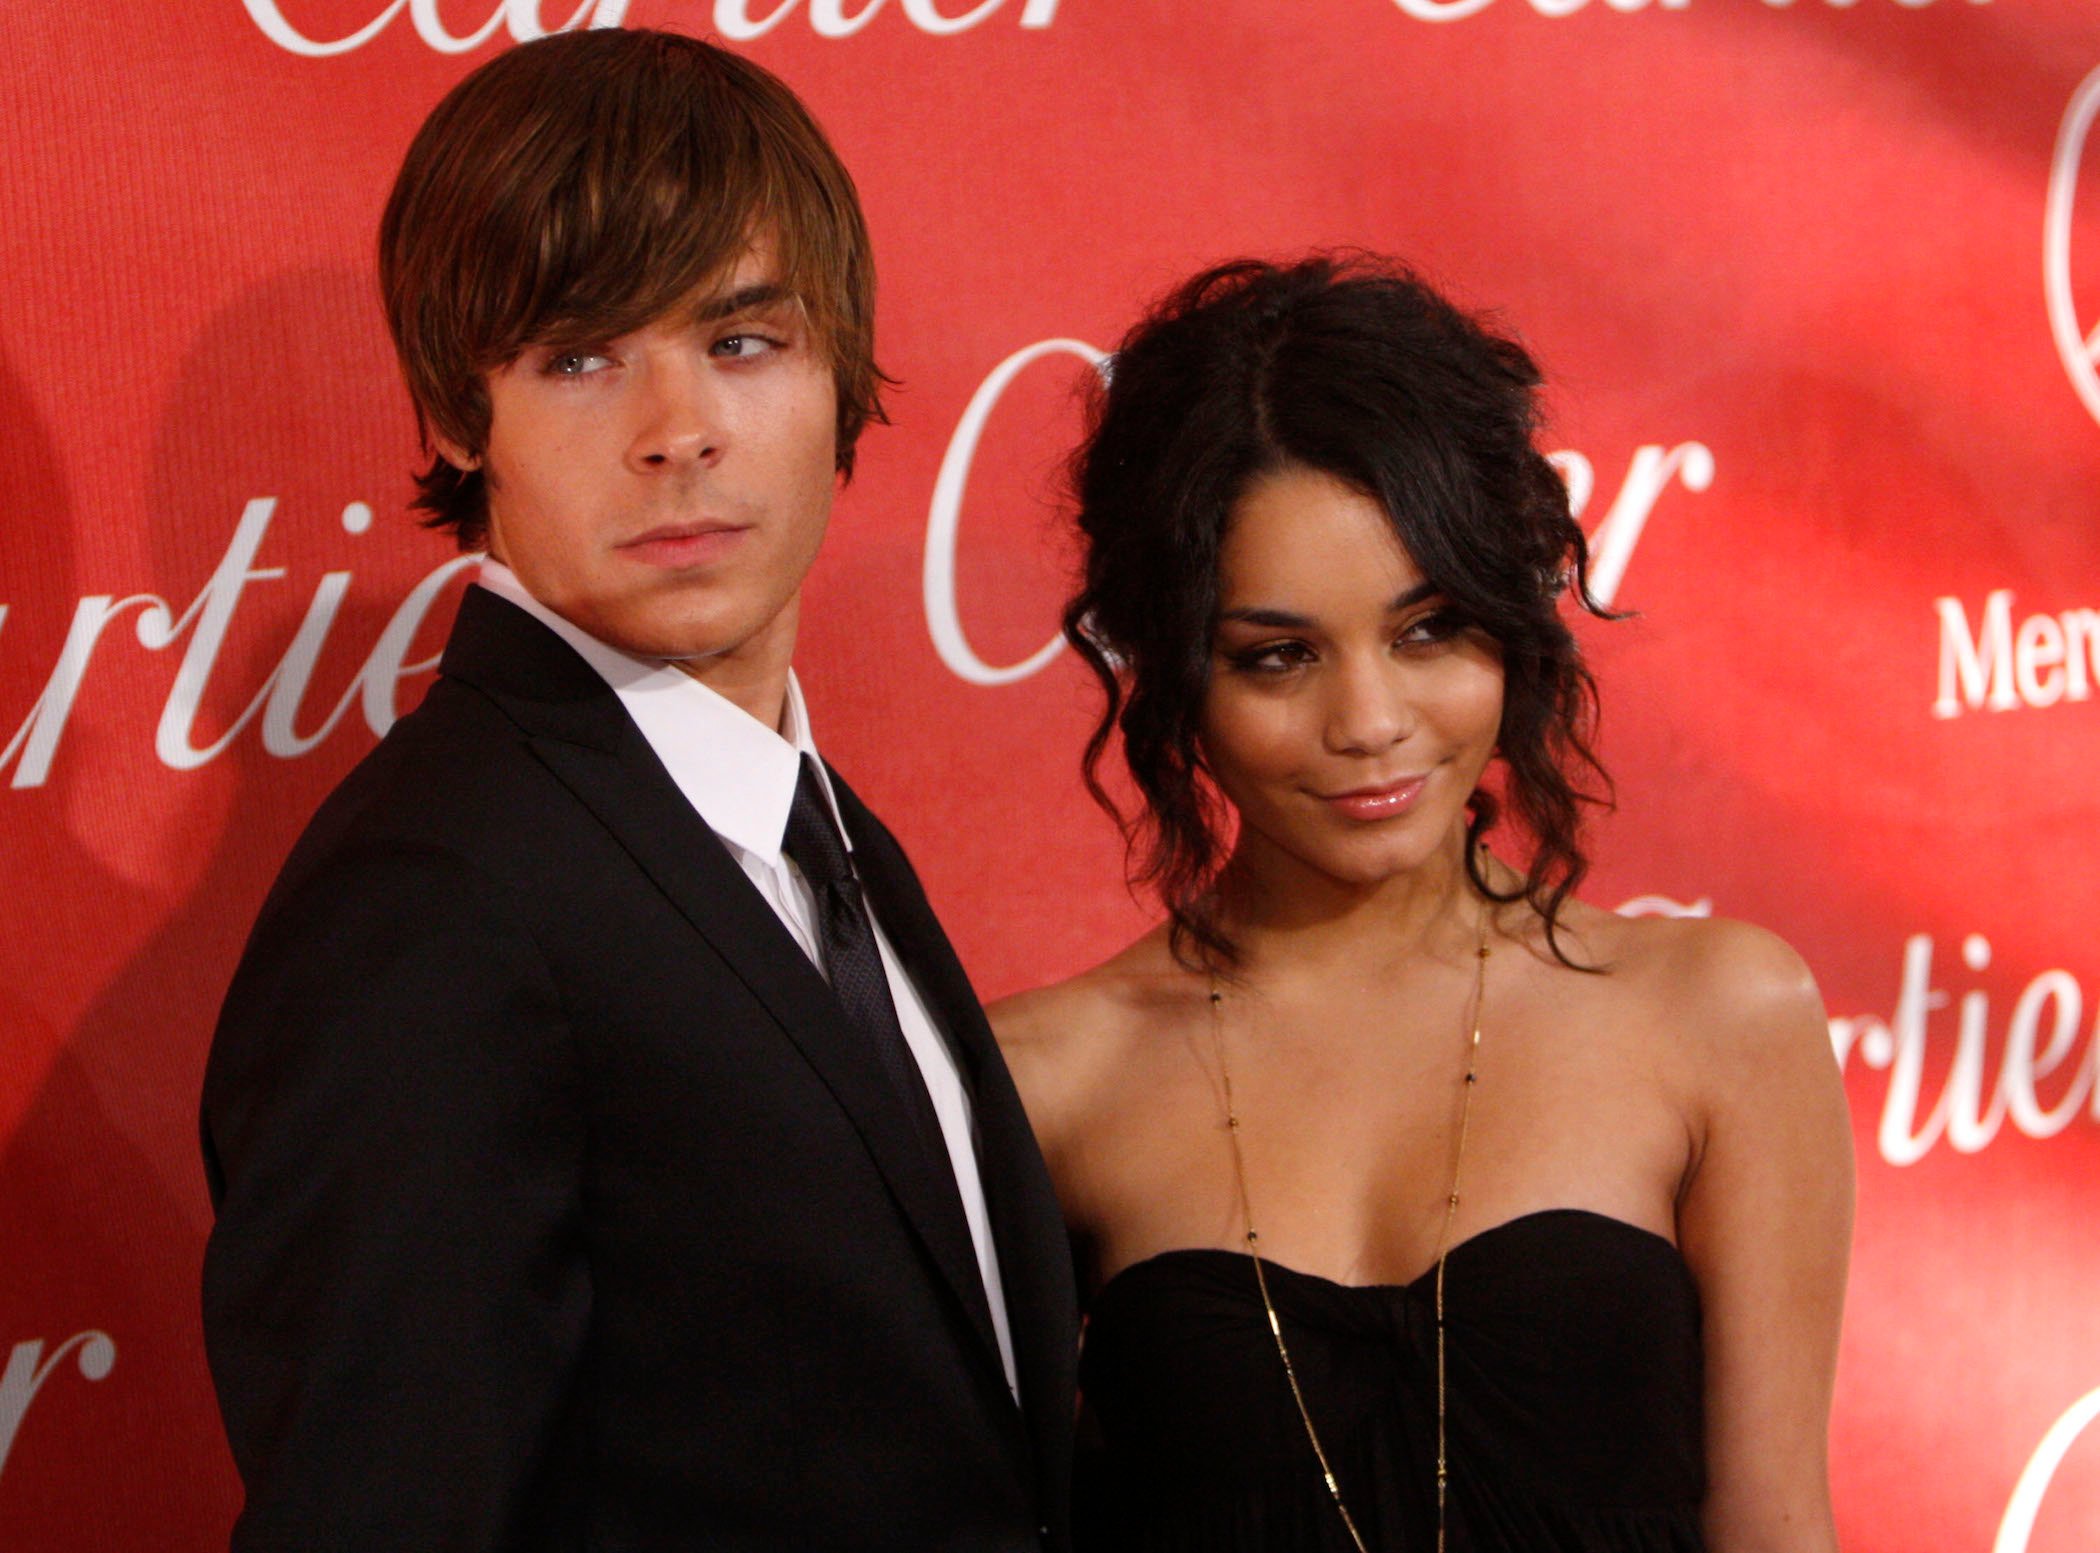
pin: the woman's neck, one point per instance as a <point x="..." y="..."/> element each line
<point x="1281" y="913"/>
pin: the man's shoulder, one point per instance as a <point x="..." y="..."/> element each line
<point x="455" y="776"/>
<point x="439" y="758"/>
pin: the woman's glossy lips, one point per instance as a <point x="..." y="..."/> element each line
<point x="1378" y="803"/>
<point x="684" y="544"/>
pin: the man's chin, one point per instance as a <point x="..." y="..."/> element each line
<point x="693" y="632"/>
<point x="644" y="628"/>
<point x="677" y="648"/>
<point x="688" y="645"/>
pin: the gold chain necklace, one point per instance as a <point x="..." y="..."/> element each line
<point x="1443" y="1245"/>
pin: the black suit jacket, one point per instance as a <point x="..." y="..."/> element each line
<point x="558" y="1207"/>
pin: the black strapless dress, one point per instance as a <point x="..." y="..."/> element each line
<point x="1573" y="1417"/>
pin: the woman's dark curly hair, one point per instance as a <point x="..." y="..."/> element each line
<point x="1352" y="366"/>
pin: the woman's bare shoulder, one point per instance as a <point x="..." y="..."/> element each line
<point x="1738" y="992"/>
<point x="1060" y="1040"/>
<point x="1080" y="1008"/>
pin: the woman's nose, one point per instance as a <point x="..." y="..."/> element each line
<point x="1369" y="708"/>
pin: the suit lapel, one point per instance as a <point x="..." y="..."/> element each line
<point x="579" y="730"/>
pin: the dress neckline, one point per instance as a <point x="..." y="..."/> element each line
<point x="1158" y="1260"/>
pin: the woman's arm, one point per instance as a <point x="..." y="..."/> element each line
<point x="1041" y="1035"/>
<point x="1026" y="1026"/>
<point x="1765" y="1222"/>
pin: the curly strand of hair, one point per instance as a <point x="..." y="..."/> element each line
<point x="1351" y="365"/>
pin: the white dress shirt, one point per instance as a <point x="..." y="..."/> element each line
<point x="739" y="776"/>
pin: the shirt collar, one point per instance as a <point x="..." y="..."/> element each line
<point x="736" y="772"/>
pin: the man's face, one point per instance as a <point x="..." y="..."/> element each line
<point x="666" y="491"/>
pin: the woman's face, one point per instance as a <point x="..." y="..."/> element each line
<point x="1350" y="712"/>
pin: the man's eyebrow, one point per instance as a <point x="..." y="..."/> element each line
<point x="1285" y="620"/>
<point x="746" y="299"/>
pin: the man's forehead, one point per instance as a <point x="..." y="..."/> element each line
<point x="746" y="288"/>
<point x="753" y="280"/>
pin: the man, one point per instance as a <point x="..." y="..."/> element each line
<point x="607" y="1147"/>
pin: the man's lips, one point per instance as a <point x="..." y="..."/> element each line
<point x="1380" y="801"/>
<point x="683" y="544"/>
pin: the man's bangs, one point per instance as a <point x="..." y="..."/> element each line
<point x="616" y="254"/>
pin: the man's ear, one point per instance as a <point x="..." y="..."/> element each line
<point x="452" y="453"/>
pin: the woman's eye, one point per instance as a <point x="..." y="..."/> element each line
<point x="1272" y="658"/>
<point x="1438" y="626"/>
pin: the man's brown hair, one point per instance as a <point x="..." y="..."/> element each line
<point x="576" y="188"/>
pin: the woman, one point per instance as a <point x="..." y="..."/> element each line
<point x="1420" y="1204"/>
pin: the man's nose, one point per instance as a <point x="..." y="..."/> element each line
<point x="678" y="414"/>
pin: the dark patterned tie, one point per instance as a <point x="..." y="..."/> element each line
<point x="851" y="957"/>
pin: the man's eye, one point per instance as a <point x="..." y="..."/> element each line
<point x="576" y="364"/>
<point x="741" y="345"/>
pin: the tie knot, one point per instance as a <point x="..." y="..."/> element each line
<point x="813" y="838"/>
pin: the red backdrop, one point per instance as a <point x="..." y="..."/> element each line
<point x="1816" y="283"/>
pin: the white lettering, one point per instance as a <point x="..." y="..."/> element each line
<point x="387" y="666"/>
<point x="430" y="27"/>
<point x="1647" y="477"/>
<point x="1442" y="10"/>
<point x="927" y="19"/>
<point x="2081" y="651"/>
<point x="271" y="20"/>
<point x="1971" y="1108"/>
<point x="1980" y="662"/>
<point x="210" y="615"/>
<point x="733" y="19"/>
<point x="1971" y="1123"/>
<point x="279" y="698"/>
<point x="1649" y="474"/>
<point x="1666" y="906"/>
<point x="36" y="741"/>
<point x="2025" y="1067"/>
<point x="287" y="687"/>
<point x="1577" y="474"/>
<point x="384" y="669"/>
<point x="2076" y="348"/>
<point x="522" y="17"/>
<point x="2038" y="660"/>
<point x="1459" y="10"/>
<point x="24" y="1377"/>
<point x="944" y="521"/>
<point x="2046" y="659"/>
<point x="831" y="19"/>
<point x="1902" y="1050"/>
<point x="2017" y="1527"/>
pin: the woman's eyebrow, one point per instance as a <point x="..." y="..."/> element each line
<point x="1287" y="620"/>
<point x="1280" y="619"/>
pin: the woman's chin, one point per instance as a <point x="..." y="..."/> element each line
<point x="1370" y="862"/>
